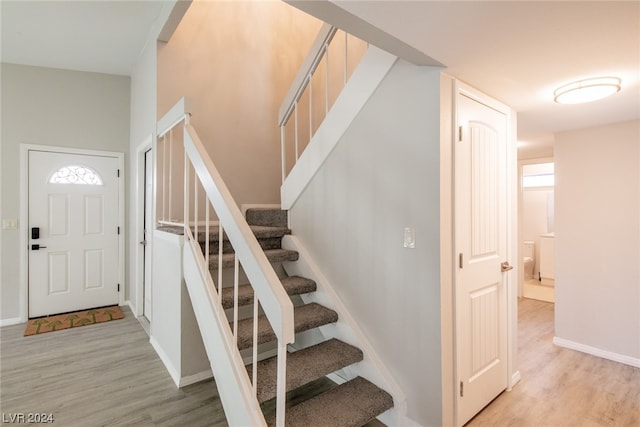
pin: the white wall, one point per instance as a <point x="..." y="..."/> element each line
<point x="382" y="176"/>
<point x="598" y="238"/>
<point x="47" y="106"/>
<point x="143" y="124"/>
<point x="235" y="62"/>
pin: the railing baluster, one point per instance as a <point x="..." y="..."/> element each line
<point x="310" y="86"/>
<point x="281" y="387"/>
<point x="303" y="84"/>
<point x="283" y="147"/>
<point x="206" y="232"/>
<point x="346" y="56"/>
<point x="256" y="305"/>
<point x="186" y="194"/>
<point x="170" y="180"/>
<point x="326" y="79"/>
<point x="220" y="245"/>
<point x="295" y="117"/>
<point x="164" y="177"/>
<point x="195" y="205"/>
<point x="236" y="270"/>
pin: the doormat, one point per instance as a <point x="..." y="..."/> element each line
<point x="72" y="320"/>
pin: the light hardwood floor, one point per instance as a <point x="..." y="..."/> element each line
<point x="562" y="387"/>
<point x="98" y="375"/>
<point x="109" y="375"/>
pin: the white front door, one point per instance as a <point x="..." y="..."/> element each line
<point x="481" y="247"/>
<point x="148" y="230"/>
<point x="73" y="232"/>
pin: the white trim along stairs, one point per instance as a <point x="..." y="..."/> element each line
<point x="355" y="402"/>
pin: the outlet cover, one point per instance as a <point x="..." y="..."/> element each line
<point x="10" y="224"/>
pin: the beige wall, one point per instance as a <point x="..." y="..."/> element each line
<point x="384" y="175"/>
<point x="235" y="62"/>
<point x="598" y="238"/>
<point x="46" y="106"/>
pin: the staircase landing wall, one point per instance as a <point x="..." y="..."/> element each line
<point x="383" y="176"/>
<point x="174" y="332"/>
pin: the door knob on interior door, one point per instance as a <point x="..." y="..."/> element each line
<point x="37" y="247"/>
<point x="505" y="266"/>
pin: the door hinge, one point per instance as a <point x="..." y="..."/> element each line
<point x="118" y="230"/>
<point x="461" y="389"/>
<point x="118" y="287"/>
<point x="460" y="260"/>
<point x="459" y="133"/>
<point x="118" y="172"/>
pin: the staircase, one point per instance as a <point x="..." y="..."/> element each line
<point x="354" y="403"/>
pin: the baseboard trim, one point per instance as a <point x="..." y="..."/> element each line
<point x="10" y="322"/>
<point x="195" y="378"/>
<point x="594" y="351"/>
<point x="133" y="310"/>
<point x="515" y="379"/>
<point x="173" y="372"/>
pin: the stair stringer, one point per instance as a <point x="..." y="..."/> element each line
<point x="234" y="387"/>
<point x="347" y="330"/>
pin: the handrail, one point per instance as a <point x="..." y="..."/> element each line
<point x="273" y="298"/>
<point x="304" y="83"/>
<point x="267" y="288"/>
<point x="305" y="72"/>
<point x="207" y="206"/>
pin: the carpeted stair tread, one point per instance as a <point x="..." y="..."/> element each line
<point x="352" y="404"/>
<point x="266" y="216"/>
<point x="305" y="365"/>
<point x="273" y="255"/>
<point x="305" y="317"/>
<point x="293" y="285"/>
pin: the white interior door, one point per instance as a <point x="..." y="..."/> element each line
<point x="73" y="255"/>
<point x="148" y="230"/>
<point x="481" y="245"/>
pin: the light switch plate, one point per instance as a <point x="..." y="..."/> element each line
<point x="10" y="224"/>
<point x="409" y="237"/>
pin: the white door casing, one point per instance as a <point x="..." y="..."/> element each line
<point x="78" y="265"/>
<point x="147" y="233"/>
<point x="481" y="237"/>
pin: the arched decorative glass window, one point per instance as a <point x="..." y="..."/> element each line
<point x="76" y="175"/>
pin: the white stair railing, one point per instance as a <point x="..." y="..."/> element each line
<point x="320" y="79"/>
<point x="206" y="202"/>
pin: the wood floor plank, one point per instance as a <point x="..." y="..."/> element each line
<point x="105" y="374"/>
<point x="562" y="387"/>
<point x="108" y="374"/>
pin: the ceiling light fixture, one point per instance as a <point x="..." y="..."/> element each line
<point x="587" y="90"/>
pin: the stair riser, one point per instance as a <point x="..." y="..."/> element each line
<point x="267" y="217"/>
<point x="227" y="248"/>
<point x="309" y="319"/>
<point x="228" y="260"/>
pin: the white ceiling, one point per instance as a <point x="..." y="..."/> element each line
<point x="97" y="36"/>
<point x="520" y="51"/>
<point x="517" y="51"/>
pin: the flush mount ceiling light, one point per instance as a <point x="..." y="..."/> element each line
<point x="586" y="90"/>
